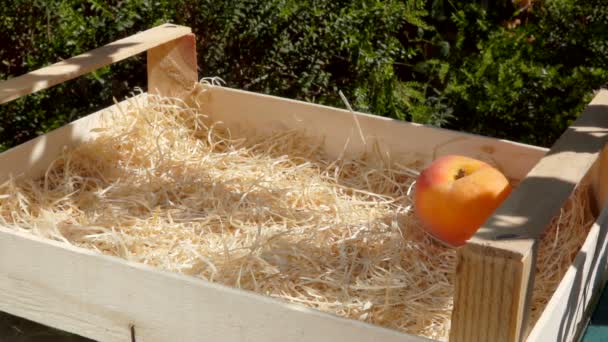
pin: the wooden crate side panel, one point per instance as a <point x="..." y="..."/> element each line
<point x="566" y="314"/>
<point x="100" y="297"/>
<point x="32" y="158"/>
<point x="403" y="139"/>
<point x="172" y="69"/>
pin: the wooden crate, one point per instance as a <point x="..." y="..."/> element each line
<point x="110" y="299"/>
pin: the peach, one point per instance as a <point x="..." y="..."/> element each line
<point x="455" y="195"/>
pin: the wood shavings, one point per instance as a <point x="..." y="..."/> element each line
<point x="166" y="186"/>
<point x="559" y="245"/>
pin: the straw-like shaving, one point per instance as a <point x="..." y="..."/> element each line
<point x="559" y="245"/>
<point x="166" y="186"/>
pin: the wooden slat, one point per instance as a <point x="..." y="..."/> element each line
<point x="101" y="297"/>
<point x="82" y="64"/>
<point x="172" y="68"/>
<point x="494" y="270"/>
<point x="599" y="179"/>
<point x="33" y="157"/>
<point x="568" y="310"/>
<point x="404" y="141"/>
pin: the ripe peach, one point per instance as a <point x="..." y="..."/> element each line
<point x="455" y="195"/>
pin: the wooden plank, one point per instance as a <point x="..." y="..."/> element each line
<point x="82" y="64"/>
<point x="402" y="140"/>
<point x="101" y="297"/>
<point x="98" y="297"/>
<point x="566" y="313"/>
<point x="172" y="68"/>
<point x="509" y="238"/>
<point x="599" y="179"/>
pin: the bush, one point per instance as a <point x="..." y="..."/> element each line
<point x="307" y="50"/>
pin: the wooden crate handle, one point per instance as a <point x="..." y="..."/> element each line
<point x="495" y="272"/>
<point x="171" y="63"/>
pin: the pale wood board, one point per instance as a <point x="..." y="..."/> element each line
<point x="82" y="64"/>
<point x="510" y="237"/>
<point x="489" y="289"/>
<point x="599" y="181"/>
<point x="33" y="157"/>
<point x="172" y="68"/>
<point x="566" y="314"/>
<point x="402" y="140"/>
<point x="506" y="263"/>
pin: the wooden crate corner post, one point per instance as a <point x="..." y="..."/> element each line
<point x="495" y="271"/>
<point x="172" y="67"/>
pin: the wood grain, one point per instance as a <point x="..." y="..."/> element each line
<point x="510" y="237"/>
<point x="82" y="64"/>
<point x="490" y="293"/>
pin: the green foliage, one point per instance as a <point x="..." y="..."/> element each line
<point x="307" y="50"/>
<point x="457" y="64"/>
<point x="38" y="33"/>
<point x="526" y="83"/>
